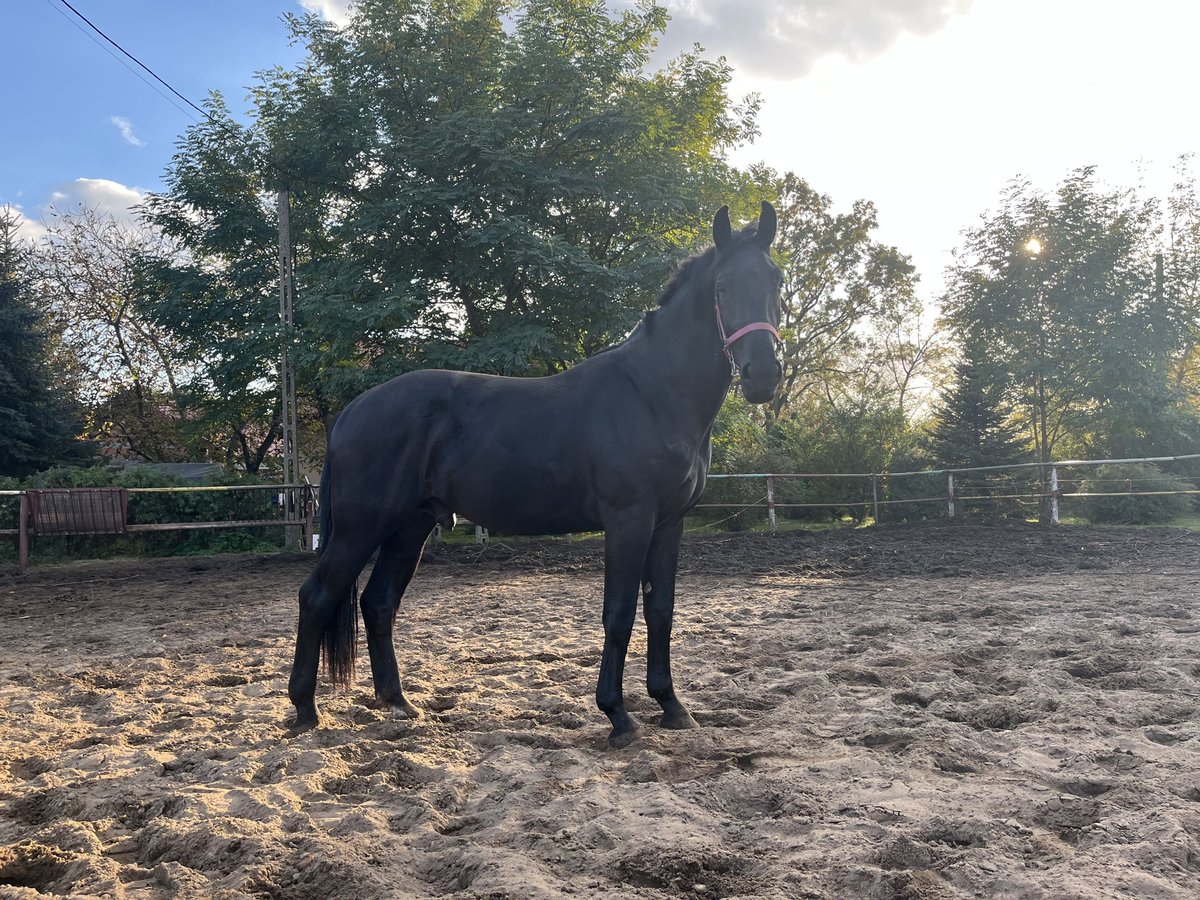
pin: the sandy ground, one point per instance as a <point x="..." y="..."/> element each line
<point x="896" y="712"/>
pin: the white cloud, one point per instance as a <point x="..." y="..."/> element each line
<point x="27" y="229"/>
<point x="335" y="11"/>
<point x="770" y="38"/>
<point x="126" y="128"/>
<point x="97" y="193"/>
<point x="784" y="38"/>
<point x="104" y="196"/>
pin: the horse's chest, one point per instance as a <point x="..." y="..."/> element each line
<point x="682" y="476"/>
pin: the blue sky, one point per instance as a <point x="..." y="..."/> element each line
<point x="926" y="107"/>
<point x="65" y="106"/>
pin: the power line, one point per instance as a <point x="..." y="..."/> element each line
<point x="229" y="127"/>
<point x="92" y="25"/>
<point x="107" y="50"/>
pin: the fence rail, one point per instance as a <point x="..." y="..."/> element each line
<point x="65" y="511"/>
<point x="1048" y="475"/>
<point x="58" y="512"/>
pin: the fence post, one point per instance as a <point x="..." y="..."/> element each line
<point x="481" y="535"/>
<point x="308" y="519"/>
<point x="1054" y="495"/>
<point x="771" y="501"/>
<point x="875" y="495"/>
<point x="23" y="535"/>
<point x="950" y="494"/>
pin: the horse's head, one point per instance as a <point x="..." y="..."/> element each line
<point x="747" y="299"/>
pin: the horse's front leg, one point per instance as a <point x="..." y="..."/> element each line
<point x="624" y="556"/>
<point x="658" y="606"/>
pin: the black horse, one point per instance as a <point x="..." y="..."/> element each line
<point x="620" y="443"/>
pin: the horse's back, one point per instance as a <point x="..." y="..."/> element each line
<point x="515" y="454"/>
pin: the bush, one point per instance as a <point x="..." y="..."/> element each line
<point x="869" y="436"/>
<point x="1127" y="509"/>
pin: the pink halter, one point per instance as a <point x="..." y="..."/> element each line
<point x="728" y="341"/>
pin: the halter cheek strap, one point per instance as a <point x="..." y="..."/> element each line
<point x="727" y="341"/>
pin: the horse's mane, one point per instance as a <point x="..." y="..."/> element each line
<point x="683" y="274"/>
<point x="688" y="269"/>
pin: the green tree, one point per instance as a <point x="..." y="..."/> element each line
<point x="1177" y="297"/>
<point x="1059" y="291"/>
<point x="837" y="279"/>
<point x="37" y="425"/>
<point x="214" y="286"/>
<point x="476" y="184"/>
<point x="973" y="426"/>
<point x="857" y="348"/>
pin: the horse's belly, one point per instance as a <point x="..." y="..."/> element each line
<point x="557" y="524"/>
<point x="518" y="518"/>
<point x="523" y="503"/>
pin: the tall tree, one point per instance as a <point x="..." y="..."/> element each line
<point x="1059" y="290"/>
<point x="214" y="288"/>
<point x="837" y="278"/>
<point x="477" y="184"/>
<point x="973" y="424"/>
<point x="37" y="425"/>
<point x="1177" y="294"/>
<point x="122" y="368"/>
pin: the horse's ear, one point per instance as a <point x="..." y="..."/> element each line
<point x="766" y="226"/>
<point x="722" y="230"/>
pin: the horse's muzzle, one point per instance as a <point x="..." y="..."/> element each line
<point x="760" y="381"/>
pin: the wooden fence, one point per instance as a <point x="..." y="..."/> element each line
<point x="948" y="484"/>
<point x="94" y="511"/>
<point x="89" y="511"/>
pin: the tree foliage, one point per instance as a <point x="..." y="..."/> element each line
<point x="37" y="421"/>
<point x="119" y="366"/>
<point x="214" y="285"/>
<point x="974" y="424"/>
<point x="839" y="280"/>
<point x="1179" y="298"/>
<point x="475" y="184"/>
<point x="1061" y="292"/>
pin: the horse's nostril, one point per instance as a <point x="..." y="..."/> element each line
<point x="772" y="371"/>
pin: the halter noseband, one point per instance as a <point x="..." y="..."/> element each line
<point x="727" y="341"/>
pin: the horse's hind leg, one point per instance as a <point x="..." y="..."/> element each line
<point x="658" y="605"/>
<point x="624" y="558"/>
<point x="328" y="590"/>
<point x="399" y="557"/>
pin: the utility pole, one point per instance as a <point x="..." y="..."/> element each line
<point x="287" y="372"/>
<point x="1159" y="326"/>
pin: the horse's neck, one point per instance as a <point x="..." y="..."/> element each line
<point x="682" y="346"/>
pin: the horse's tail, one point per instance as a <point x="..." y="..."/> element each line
<point x="339" y="643"/>
<point x="324" y="511"/>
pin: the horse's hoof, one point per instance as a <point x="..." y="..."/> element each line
<point x="678" y="720"/>
<point x="620" y="739"/>
<point x="304" y="721"/>
<point x="404" y="710"/>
